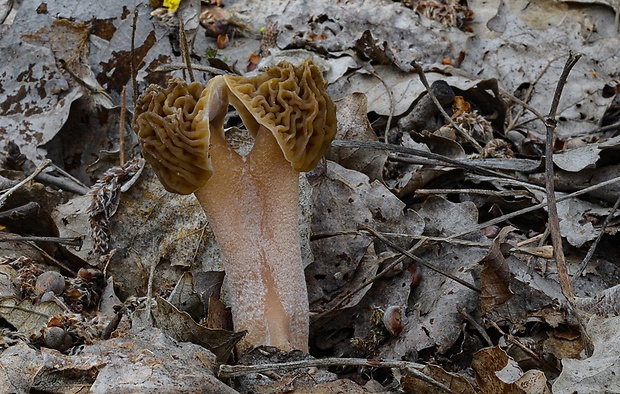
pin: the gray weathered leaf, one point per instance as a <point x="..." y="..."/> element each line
<point x="27" y="317"/>
<point x="599" y="371"/>
<point x="353" y="124"/>
<point x="343" y="200"/>
<point x="180" y="326"/>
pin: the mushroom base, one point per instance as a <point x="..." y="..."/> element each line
<point x="252" y="205"/>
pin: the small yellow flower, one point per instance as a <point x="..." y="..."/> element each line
<point x="172" y="5"/>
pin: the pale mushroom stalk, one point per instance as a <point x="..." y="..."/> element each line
<point x="251" y="201"/>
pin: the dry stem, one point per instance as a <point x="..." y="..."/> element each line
<point x="134" y="65"/>
<point x="233" y="371"/>
<point x="418" y="259"/>
<point x="554" y="221"/>
<point x="586" y="260"/>
<point x="30" y="177"/>
<point x="185" y="51"/>
<point x="69" y="241"/>
<point x="526" y="349"/>
<point x="121" y="131"/>
<point x="416" y="152"/>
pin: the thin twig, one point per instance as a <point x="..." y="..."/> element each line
<point x="592" y="249"/>
<point x="149" y="288"/>
<point x="8" y="8"/>
<point x="416" y="152"/>
<point x="526" y="349"/>
<point x="112" y="325"/>
<point x="134" y="65"/>
<point x="390" y="98"/>
<point x="19" y="308"/>
<point x="419" y="260"/>
<point x="67" y="175"/>
<point x="21" y="212"/>
<point x="164" y="68"/>
<point x="505" y="182"/>
<point x="617" y="17"/>
<point x="62" y="183"/>
<point x="554" y="221"/>
<point x="463" y="312"/>
<point x="528" y="95"/>
<point x="544" y="236"/>
<point x="482" y="192"/>
<point x="525" y="105"/>
<point x="531" y="240"/>
<point x="53" y="260"/>
<point x="367" y="282"/>
<point x="447" y="117"/>
<point x="533" y="208"/>
<point x="121" y="132"/>
<point x="108" y="259"/>
<point x="69" y="241"/>
<point x="95" y="89"/>
<point x="602" y="129"/>
<point x="233" y="371"/>
<point x="525" y="166"/>
<point x="30" y="177"/>
<point x="426" y="238"/>
<point x="60" y="302"/>
<point x="185" y="52"/>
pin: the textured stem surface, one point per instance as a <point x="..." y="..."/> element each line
<point x="251" y="203"/>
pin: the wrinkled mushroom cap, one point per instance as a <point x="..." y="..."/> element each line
<point x="177" y="151"/>
<point x="291" y="102"/>
<point x="174" y="123"/>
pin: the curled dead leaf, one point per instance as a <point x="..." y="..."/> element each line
<point x="495" y="277"/>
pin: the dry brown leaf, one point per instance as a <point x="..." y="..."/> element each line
<point x="598" y="373"/>
<point x="353" y="124"/>
<point x="496" y="372"/>
<point x="180" y="326"/>
<point x="564" y="346"/>
<point x="456" y="383"/>
<point x="185" y="299"/>
<point x="495" y="277"/>
<point x="343" y="200"/>
<point x="26" y="317"/>
<point x="18" y="367"/>
<point x="434" y="319"/>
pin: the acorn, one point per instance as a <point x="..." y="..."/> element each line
<point x="393" y="320"/>
<point x="57" y="338"/>
<point x="50" y="281"/>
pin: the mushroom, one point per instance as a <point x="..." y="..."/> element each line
<point x="251" y="201"/>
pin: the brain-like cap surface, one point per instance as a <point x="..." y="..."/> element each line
<point x="292" y="103"/>
<point x="163" y="121"/>
<point x="174" y="123"/>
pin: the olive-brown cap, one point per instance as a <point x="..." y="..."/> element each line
<point x="177" y="151"/>
<point x="292" y="103"/>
